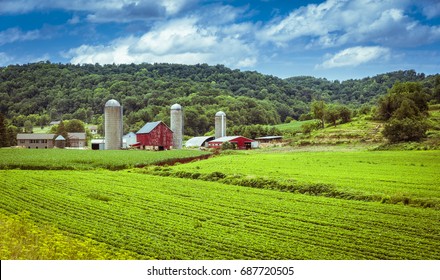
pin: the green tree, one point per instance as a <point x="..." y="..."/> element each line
<point x="75" y="126"/>
<point x="12" y="132"/>
<point x="61" y="130"/>
<point x="436" y="90"/>
<point x="318" y="109"/>
<point x="28" y="127"/>
<point x="4" y="139"/>
<point x="407" y="108"/>
<point x="332" y="115"/>
<point x="407" y="129"/>
<point x="397" y="94"/>
<point x="345" y="114"/>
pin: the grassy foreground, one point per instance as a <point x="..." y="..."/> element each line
<point x="170" y="218"/>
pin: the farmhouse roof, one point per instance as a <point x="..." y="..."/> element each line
<point x="35" y="136"/>
<point x="198" y="141"/>
<point x="148" y="127"/>
<point x="77" y="135"/>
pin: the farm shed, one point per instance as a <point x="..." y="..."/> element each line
<point x="128" y="140"/>
<point x="201" y="141"/>
<point x="36" y="140"/>
<point x="154" y="136"/>
<point x="77" y="139"/>
<point x="241" y="143"/>
<point x="269" y="139"/>
<point x="98" y="144"/>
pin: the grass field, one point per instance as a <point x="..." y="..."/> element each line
<point x="385" y="175"/>
<point x="171" y="218"/>
<point x="60" y="159"/>
<point x="128" y="214"/>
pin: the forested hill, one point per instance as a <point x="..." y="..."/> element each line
<point x="146" y="91"/>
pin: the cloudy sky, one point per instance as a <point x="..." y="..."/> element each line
<point x="335" y="39"/>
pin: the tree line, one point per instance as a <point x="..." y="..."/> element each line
<point x="34" y="94"/>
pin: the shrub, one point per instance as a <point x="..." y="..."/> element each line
<point x="228" y="146"/>
<point x="405" y="130"/>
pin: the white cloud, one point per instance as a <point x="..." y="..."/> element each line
<point x="355" y="56"/>
<point x="339" y="22"/>
<point x="15" y="34"/>
<point x="176" y="41"/>
<point x="103" y="10"/>
<point x="74" y="20"/>
<point x="5" y="59"/>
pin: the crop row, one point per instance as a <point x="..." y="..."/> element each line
<point x="168" y="218"/>
<point x="59" y="159"/>
<point x="391" y="176"/>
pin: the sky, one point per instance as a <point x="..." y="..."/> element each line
<point x="333" y="39"/>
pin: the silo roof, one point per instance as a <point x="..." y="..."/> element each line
<point x="112" y="103"/>
<point x="220" y="113"/>
<point x="176" y="107"/>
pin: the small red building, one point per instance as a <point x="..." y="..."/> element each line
<point x="241" y="143"/>
<point x="154" y="136"/>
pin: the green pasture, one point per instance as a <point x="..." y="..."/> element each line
<point x="151" y="217"/>
<point x="87" y="159"/>
<point x="383" y="175"/>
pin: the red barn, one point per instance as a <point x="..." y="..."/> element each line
<point x="154" y="135"/>
<point x="242" y="143"/>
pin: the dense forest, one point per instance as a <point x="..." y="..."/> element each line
<point x="40" y="92"/>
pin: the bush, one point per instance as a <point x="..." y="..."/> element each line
<point x="307" y="128"/>
<point x="228" y="146"/>
<point x="405" y="130"/>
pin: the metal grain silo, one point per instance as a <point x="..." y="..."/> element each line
<point x="113" y="125"/>
<point x="177" y="125"/>
<point x="220" y="124"/>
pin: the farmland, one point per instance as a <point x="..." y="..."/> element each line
<point x="129" y="214"/>
<point x="53" y="159"/>
<point x="384" y="175"/>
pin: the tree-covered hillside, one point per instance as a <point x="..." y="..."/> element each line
<point x="41" y="92"/>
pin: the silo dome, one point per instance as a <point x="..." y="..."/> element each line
<point x="220" y="113"/>
<point x="112" y="103"/>
<point x="176" y="107"/>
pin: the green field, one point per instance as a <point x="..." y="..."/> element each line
<point x="381" y="175"/>
<point x="170" y="218"/>
<point x="60" y="159"/>
<point x="128" y="214"/>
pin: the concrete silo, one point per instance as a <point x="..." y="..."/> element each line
<point x="177" y="125"/>
<point x="113" y="125"/>
<point x="220" y="124"/>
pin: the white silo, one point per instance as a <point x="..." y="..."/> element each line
<point x="220" y="124"/>
<point x="113" y="125"/>
<point x="177" y="125"/>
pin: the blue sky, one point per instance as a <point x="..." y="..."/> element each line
<point x="335" y="39"/>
